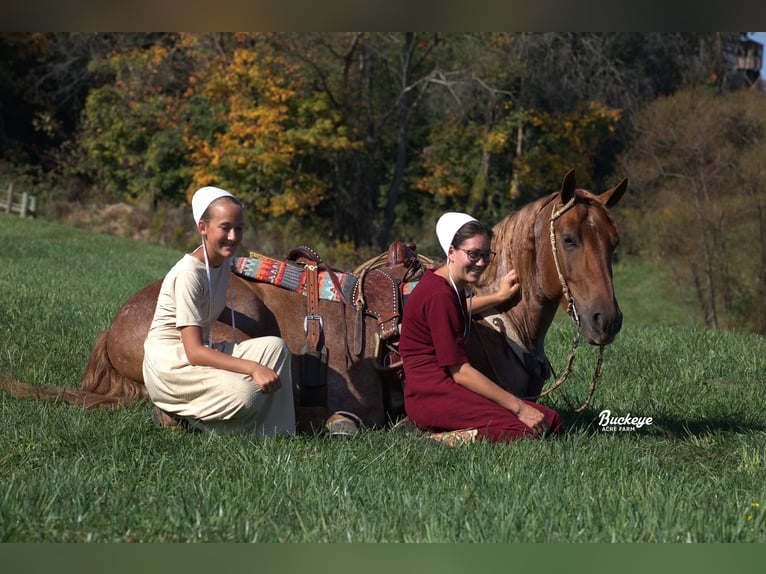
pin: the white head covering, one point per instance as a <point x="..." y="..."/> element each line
<point x="448" y="225"/>
<point x="203" y="197"/>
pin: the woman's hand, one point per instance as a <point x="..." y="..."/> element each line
<point x="474" y="380"/>
<point x="508" y="289"/>
<point x="508" y="286"/>
<point x="266" y="379"/>
<point x="534" y="419"/>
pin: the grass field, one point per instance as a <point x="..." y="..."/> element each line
<point x="697" y="473"/>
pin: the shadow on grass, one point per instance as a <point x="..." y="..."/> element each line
<point x="667" y="426"/>
<point x="680" y="427"/>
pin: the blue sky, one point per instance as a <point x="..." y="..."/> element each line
<point x="760" y="37"/>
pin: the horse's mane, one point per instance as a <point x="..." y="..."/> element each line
<point x="514" y="241"/>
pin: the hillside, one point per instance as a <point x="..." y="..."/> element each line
<point x="694" y="474"/>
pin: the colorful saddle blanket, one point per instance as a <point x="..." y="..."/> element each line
<point x="292" y="275"/>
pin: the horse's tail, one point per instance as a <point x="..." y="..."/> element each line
<point x="102" y="385"/>
<point x="103" y="379"/>
<point x="78" y="397"/>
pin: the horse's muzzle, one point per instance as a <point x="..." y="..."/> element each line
<point x="600" y="327"/>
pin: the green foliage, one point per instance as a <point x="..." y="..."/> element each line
<point x="125" y="153"/>
<point x="452" y="161"/>
<point x="559" y="143"/>
<point x="179" y="115"/>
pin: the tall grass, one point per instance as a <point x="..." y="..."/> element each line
<point x="697" y="473"/>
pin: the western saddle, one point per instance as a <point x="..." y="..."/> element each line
<point x="377" y="288"/>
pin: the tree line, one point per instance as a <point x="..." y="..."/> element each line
<point x="359" y="138"/>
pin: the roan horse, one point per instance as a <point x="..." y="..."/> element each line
<point x="561" y="246"/>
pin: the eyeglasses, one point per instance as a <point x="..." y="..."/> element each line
<point x="474" y="255"/>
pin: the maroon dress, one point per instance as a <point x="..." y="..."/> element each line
<point x="432" y="339"/>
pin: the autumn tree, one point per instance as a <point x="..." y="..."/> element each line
<point x="272" y="137"/>
<point x="130" y="140"/>
<point x="356" y="137"/>
<point x="697" y="170"/>
<point x="188" y="110"/>
<point x="494" y="144"/>
<point x="372" y="81"/>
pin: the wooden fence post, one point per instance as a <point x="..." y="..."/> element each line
<point x="10" y="198"/>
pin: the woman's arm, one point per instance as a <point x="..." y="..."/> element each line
<point x="200" y="355"/>
<point x="474" y="380"/>
<point x="507" y="289"/>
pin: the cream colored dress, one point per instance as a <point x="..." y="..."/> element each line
<point x="212" y="399"/>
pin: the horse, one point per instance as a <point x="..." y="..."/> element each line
<point x="579" y="277"/>
<point x="561" y="247"/>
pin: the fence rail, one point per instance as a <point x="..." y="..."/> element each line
<point x="27" y="205"/>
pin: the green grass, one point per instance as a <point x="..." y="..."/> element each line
<point x="66" y="475"/>
<point x="649" y="293"/>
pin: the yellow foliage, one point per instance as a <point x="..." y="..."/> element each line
<point x="557" y="144"/>
<point x="268" y="123"/>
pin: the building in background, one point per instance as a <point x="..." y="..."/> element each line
<point x="749" y="61"/>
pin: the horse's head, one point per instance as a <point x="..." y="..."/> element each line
<point x="579" y="260"/>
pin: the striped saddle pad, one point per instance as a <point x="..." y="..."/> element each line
<point x="292" y="275"/>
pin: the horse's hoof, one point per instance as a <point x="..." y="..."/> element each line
<point x="342" y="423"/>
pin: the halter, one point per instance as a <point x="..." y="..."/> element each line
<point x="572" y="312"/>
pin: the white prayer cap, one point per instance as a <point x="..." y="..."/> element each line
<point x="203" y="197"/>
<point x="448" y="225"/>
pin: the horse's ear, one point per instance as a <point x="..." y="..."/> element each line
<point x="568" y="186"/>
<point x="611" y="196"/>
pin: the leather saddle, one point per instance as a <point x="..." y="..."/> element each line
<point x="378" y="292"/>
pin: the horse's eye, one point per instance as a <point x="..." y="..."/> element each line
<point x="569" y="240"/>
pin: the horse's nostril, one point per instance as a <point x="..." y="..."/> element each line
<point x="607" y="323"/>
<point x="597" y="322"/>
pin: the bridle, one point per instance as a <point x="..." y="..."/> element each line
<point x="572" y="312"/>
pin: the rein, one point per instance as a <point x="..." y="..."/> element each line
<point x="572" y="312"/>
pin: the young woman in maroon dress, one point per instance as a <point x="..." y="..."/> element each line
<point x="443" y="391"/>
